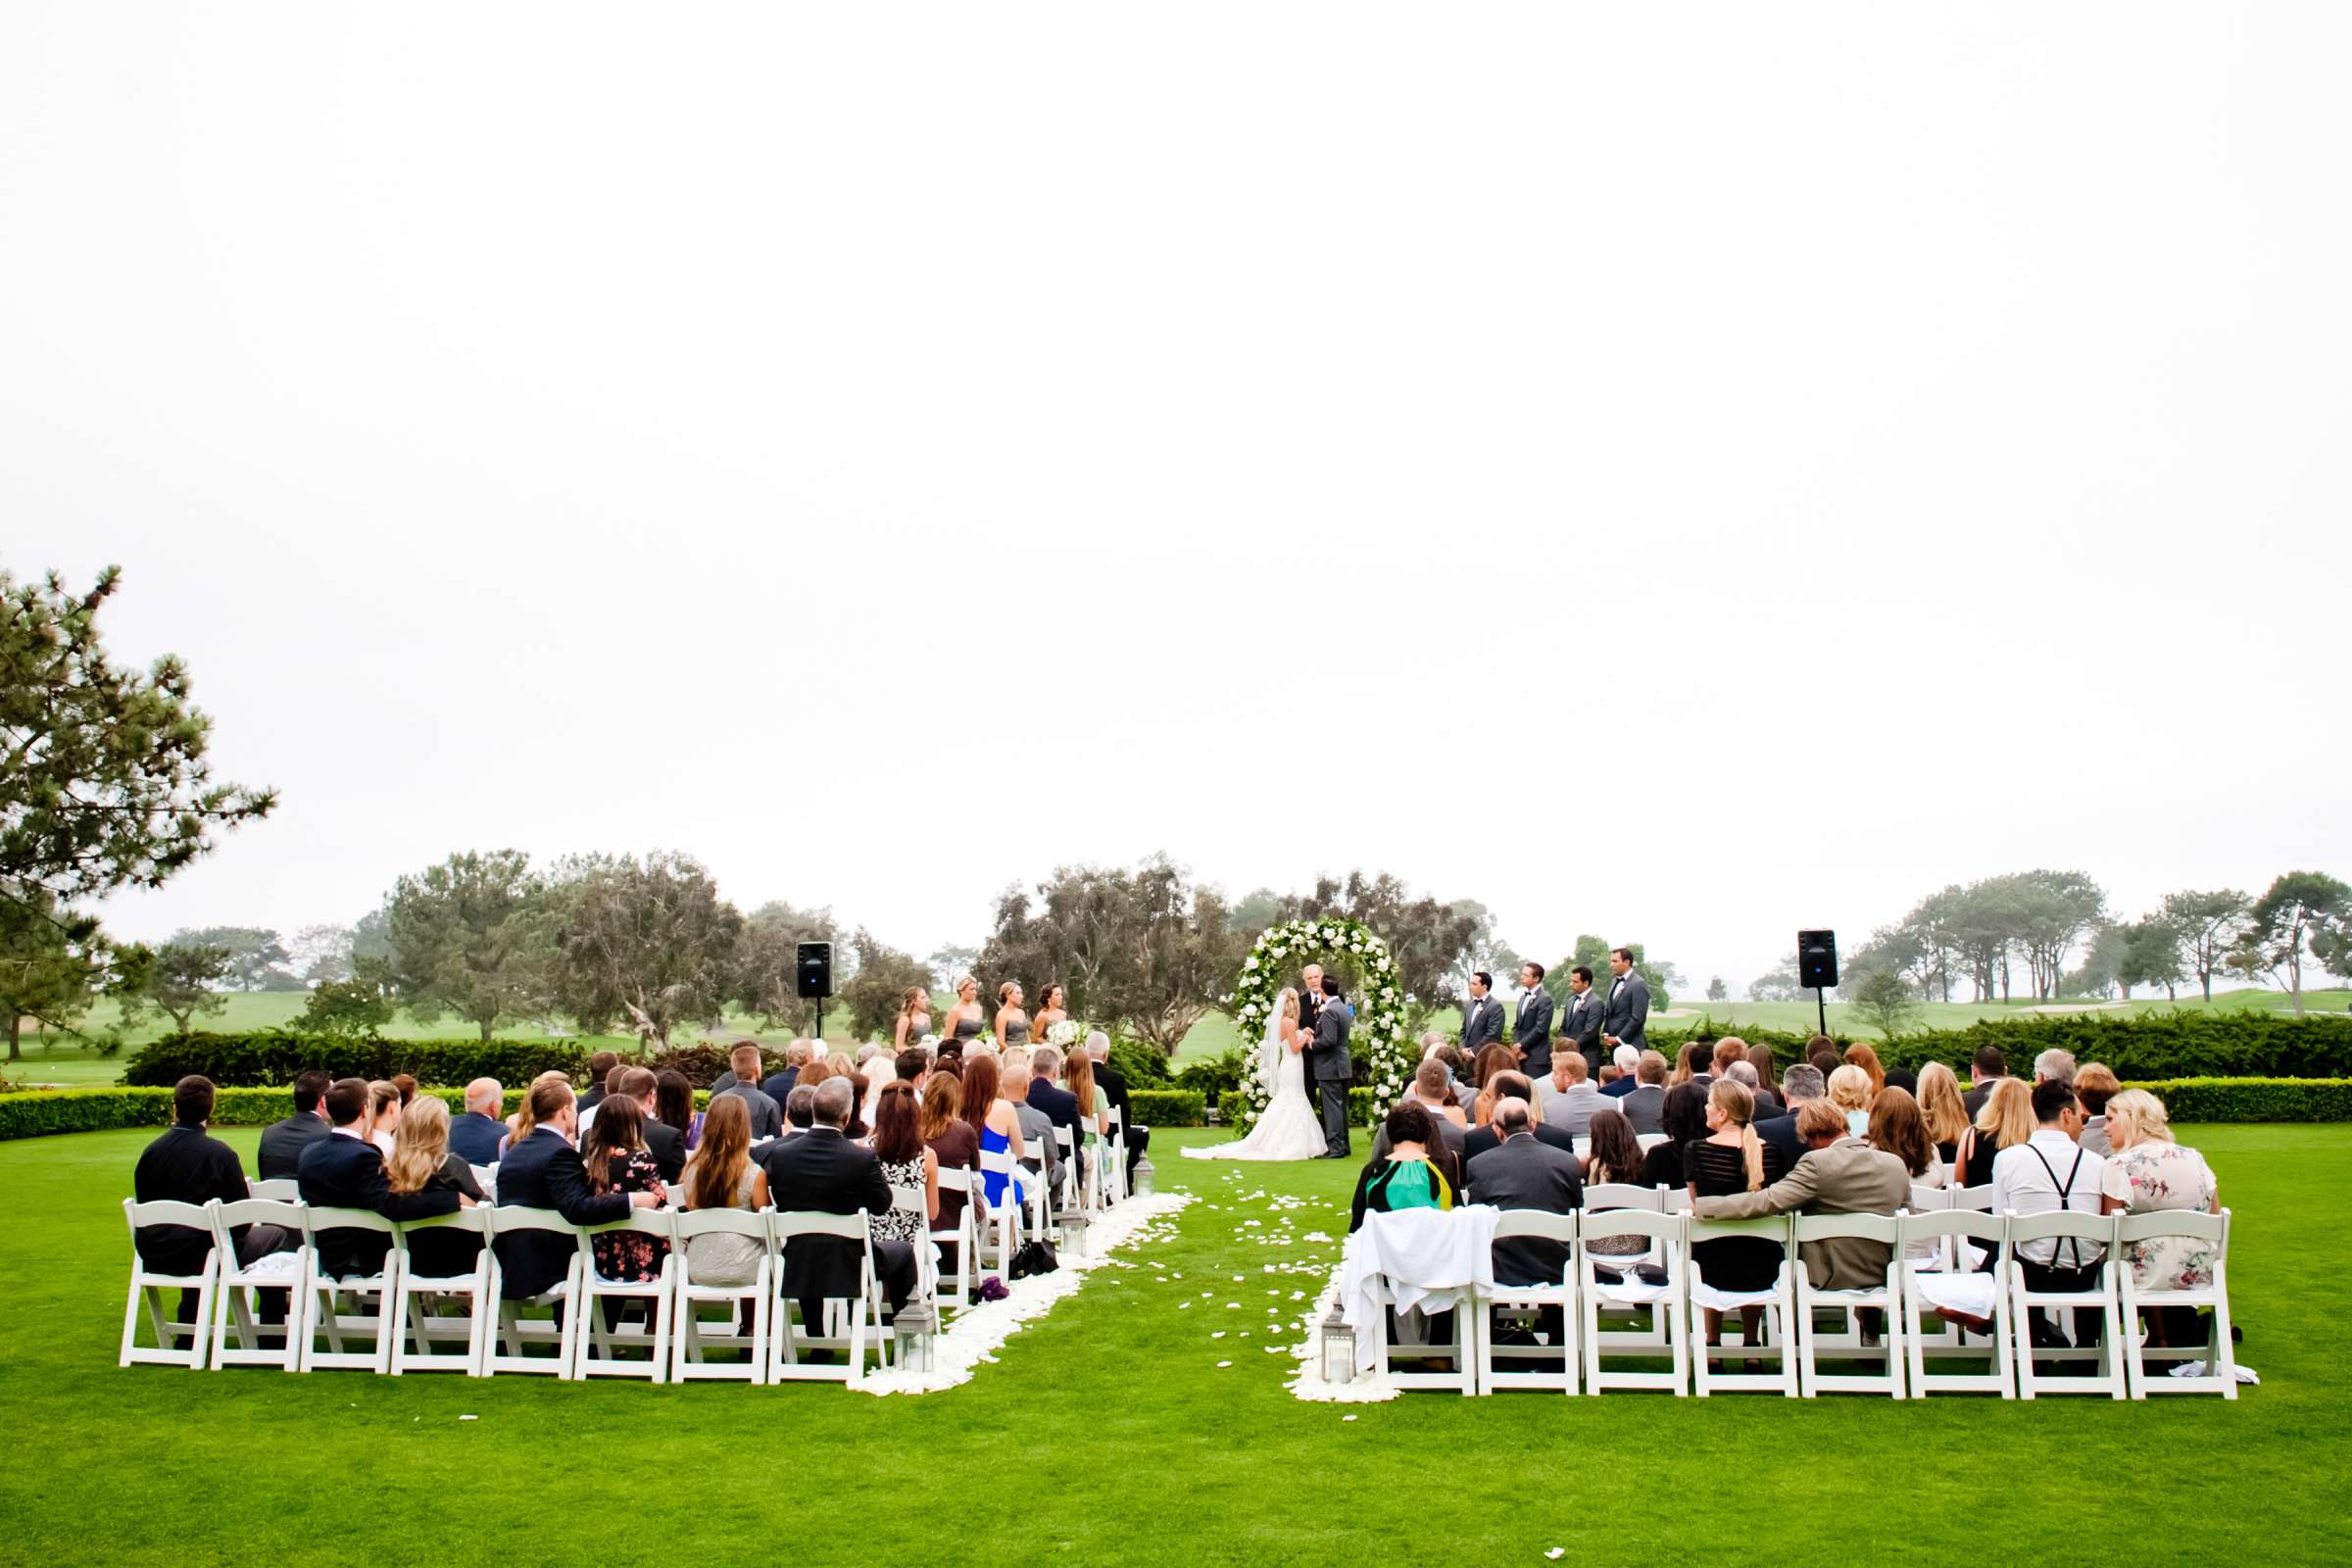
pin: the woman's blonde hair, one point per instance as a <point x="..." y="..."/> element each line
<point x="1012" y="1070"/>
<point x="1849" y="1087"/>
<point x="2136" y="1116"/>
<point x="1940" y="1104"/>
<point x="524" y="1121"/>
<point x="1682" y="1073"/>
<point x="1739" y="1107"/>
<point x="2007" y="1114"/>
<point x="419" y="1144"/>
<point x="1004" y="991"/>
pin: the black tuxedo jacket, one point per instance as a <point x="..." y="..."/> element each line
<point x="821" y="1172"/>
<point x="1780" y="1131"/>
<point x="544" y="1171"/>
<point x="1482" y="1139"/>
<point x="339" y="1172"/>
<point x="1481" y="1024"/>
<point x="185" y="1166"/>
<point x="282" y="1144"/>
<point x="1060" y="1105"/>
<point x="1114" y="1089"/>
<point x="668" y="1147"/>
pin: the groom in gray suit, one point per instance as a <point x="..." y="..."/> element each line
<point x="1331" y="1066"/>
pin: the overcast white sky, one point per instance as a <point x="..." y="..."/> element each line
<point x="1695" y="472"/>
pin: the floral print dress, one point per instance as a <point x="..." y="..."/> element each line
<point x="629" y="1255"/>
<point x="2157" y="1175"/>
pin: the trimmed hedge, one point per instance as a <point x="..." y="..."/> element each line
<point x="1167" y="1107"/>
<point x="2191" y="1100"/>
<point x="2155" y="1046"/>
<point x="275" y="1055"/>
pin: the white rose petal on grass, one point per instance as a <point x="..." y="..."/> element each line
<point x="1224" y="1363"/>
<point x="1556" y="1553"/>
<point x="1347" y="1418"/>
<point x="1220" y="1334"/>
<point x="1184" y="1306"/>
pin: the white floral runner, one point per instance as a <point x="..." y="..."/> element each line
<point x="975" y="1335"/>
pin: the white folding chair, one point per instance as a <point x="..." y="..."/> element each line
<point x="419" y="1301"/>
<point x="1665" y="1333"/>
<point x="1114" y="1158"/>
<point x="510" y="1341"/>
<point x="2219" y="1361"/>
<point x="1648" y="1140"/>
<point x="597" y="1344"/>
<point x="150" y="1285"/>
<point x="278" y="1189"/>
<point x="1555" y="1294"/>
<point x="1004" y="1224"/>
<point x="2086" y="1231"/>
<point x="1883" y="1295"/>
<point x="1926" y="1199"/>
<point x="1970" y="1200"/>
<point x="843" y="1329"/>
<point x="1603" y="1196"/>
<point x="910" y="1200"/>
<point x="691" y="1337"/>
<point x="1080" y="1190"/>
<point x="963" y="1236"/>
<point x="1778" y="1299"/>
<point x="234" y="1306"/>
<point x="1462" y="1348"/>
<point x="486" y="1177"/>
<point x="1928" y="1339"/>
<point x="373" y="1319"/>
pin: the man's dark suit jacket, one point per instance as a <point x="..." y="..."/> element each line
<point x="1482" y="1139"/>
<point x="474" y="1137"/>
<point x="1114" y="1089"/>
<point x="1973" y="1100"/>
<point x="339" y="1172"/>
<point x="821" y="1171"/>
<point x="1060" y="1105"/>
<point x="1525" y="1172"/>
<point x="282" y="1144"/>
<point x="1582" y="1026"/>
<point x="778" y="1084"/>
<point x="667" y="1145"/>
<point x="544" y="1171"/>
<point x="185" y="1166"/>
<point x="1780" y="1131"/>
<point x="1531" y="1032"/>
<point x="1645" y="1108"/>
<point x="1619" y="1087"/>
<point x="1486" y="1029"/>
<point x="594" y="1097"/>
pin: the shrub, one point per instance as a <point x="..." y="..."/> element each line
<point x="275" y="1055"/>
<point x="1216" y="1076"/>
<point x="2190" y="1099"/>
<point x="1142" y="1065"/>
<point x="34" y="1113"/>
<point x="1167" y="1107"/>
<point x="2143" y="1045"/>
<point x="703" y="1062"/>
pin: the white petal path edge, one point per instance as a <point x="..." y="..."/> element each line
<point x="975" y="1335"/>
<point x="1309" y="1384"/>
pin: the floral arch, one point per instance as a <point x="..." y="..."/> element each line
<point x="1380" y="1008"/>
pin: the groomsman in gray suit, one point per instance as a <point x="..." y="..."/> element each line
<point x="1532" y="1031"/>
<point x="1581" y="1027"/>
<point x="1481" y="1015"/>
<point x="1625" y="1018"/>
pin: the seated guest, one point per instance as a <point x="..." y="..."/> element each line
<point x="1645" y="1104"/>
<point x="767" y="1117"/>
<point x="1060" y="1104"/>
<point x="729" y="1079"/>
<point x="907" y="1162"/>
<point x="667" y="1144"/>
<point x="800" y="1109"/>
<point x="822" y="1172"/>
<point x="2094" y="1085"/>
<point x="282" y="1142"/>
<point x="1626" y="1059"/>
<point x="383" y="1113"/>
<point x="614" y="1156"/>
<point x="1861" y="1056"/>
<point x="1759" y="1056"/>
<point x="1523" y="1172"/>
<point x="1493" y="1061"/>
<point x="188" y="1165"/>
<point x="721" y="1175"/>
<point x="1566" y="1100"/>
<point x="2046" y="1173"/>
<point x="1947" y="1115"/>
<point x="1041" y="1150"/>
<point x="1617" y="1159"/>
<point x="1459" y="1069"/>
<point x="346" y="1170"/>
<point x="1114" y="1085"/>
<point x="861" y="1090"/>
<point x="422" y="1162"/>
<point x="2004" y="1121"/>
<point x="2055" y="1067"/>
<point x="1850" y="1091"/>
<point x="1896" y="1127"/>
<point x="543" y="1170"/>
<point x="1839" y="1174"/>
<point x="1685" y="1123"/>
<point x="1799" y="1084"/>
<point x="1906" y="1079"/>
<point x="1985" y="1069"/>
<point x="1432" y="1092"/>
<point x="519" y="1125"/>
<point x="474" y="1137"/>
<point x="1730" y="1050"/>
<point x="599" y="1070"/>
<point x="950" y="1139"/>
<point x="1610" y="1072"/>
<point x="779" y="1084"/>
<point x="1683" y="1068"/>
<point x="1743" y="1073"/>
<point x="2148" y="1171"/>
<point x="1078" y="1077"/>
<point x="1409" y="1176"/>
<point x="674" y="1106"/>
<point x="1511" y="1085"/>
<point x="1731" y="1160"/>
<point x="996" y="1125"/>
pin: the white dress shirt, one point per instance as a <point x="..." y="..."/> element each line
<point x="2027" y="1178"/>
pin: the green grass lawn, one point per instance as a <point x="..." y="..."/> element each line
<point x="1107" y="1432"/>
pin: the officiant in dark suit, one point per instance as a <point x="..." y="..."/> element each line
<point x="1481" y="1015"/>
<point x="1331" y="1066"/>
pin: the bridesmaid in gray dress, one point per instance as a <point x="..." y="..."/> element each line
<point x="963" y="1018"/>
<point x="1012" y="1024"/>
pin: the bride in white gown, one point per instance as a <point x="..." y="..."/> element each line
<point x="1287" y="1128"/>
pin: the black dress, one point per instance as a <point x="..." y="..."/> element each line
<point x="1734" y="1263"/>
<point x="1662" y="1166"/>
<point x="441" y="1252"/>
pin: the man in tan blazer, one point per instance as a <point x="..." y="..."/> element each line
<point x="1839" y="1174"/>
